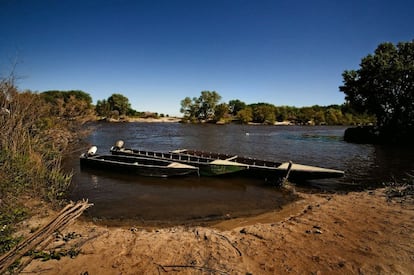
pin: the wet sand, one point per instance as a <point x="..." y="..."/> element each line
<point x="354" y="233"/>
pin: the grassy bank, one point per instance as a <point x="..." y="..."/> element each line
<point x="32" y="140"/>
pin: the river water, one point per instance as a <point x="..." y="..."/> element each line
<point x="142" y="200"/>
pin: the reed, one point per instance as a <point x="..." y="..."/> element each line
<point x="31" y="145"/>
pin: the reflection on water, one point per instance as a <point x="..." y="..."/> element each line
<point x="177" y="199"/>
<point x="196" y="199"/>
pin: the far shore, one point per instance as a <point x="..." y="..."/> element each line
<point x="160" y="119"/>
<point x="142" y="119"/>
<point x="179" y="119"/>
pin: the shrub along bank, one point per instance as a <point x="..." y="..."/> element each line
<point x="35" y="130"/>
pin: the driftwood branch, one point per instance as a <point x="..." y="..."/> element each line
<point x="67" y="215"/>
<point x="201" y="268"/>
<point x="228" y="240"/>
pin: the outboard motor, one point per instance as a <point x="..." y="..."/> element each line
<point x="119" y="144"/>
<point x="92" y="151"/>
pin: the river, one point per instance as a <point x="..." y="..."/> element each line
<point x="141" y="200"/>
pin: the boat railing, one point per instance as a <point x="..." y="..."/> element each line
<point x="184" y="157"/>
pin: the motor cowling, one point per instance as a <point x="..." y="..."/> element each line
<point x="92" y="151"/>
<point x="119" y="144"/>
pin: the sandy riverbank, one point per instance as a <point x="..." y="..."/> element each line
<point x="161" y="119"/>
<point x="149" y="120"/>
<point x="356" y="233"/>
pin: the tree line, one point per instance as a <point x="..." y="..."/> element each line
<point x="207" y="108"/>
<point x="77" y="105"/>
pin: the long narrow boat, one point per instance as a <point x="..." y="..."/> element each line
<point x="135" y="165"/>
<point x="207" y="166"/>
<point x="269" y="169"/>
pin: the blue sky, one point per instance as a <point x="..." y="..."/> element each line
<point x="157" y="52"/>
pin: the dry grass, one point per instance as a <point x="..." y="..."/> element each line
<point x="31" y="143"/>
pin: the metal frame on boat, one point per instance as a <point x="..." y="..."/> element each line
<point x="207" y="166"/>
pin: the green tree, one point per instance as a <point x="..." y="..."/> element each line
<point x="286" y="113"/>
<point x="221" y="111"/>
<point x="235" y="106"/>
<point x="116" y="105"/>
<point x="305" y="115"/>
<point x="208" y="101"/>
<point x="264" y="113"/>
<point x="245" y="115"/>
<point x="384" y="86"/>
<point x="103" y="108"/>
<point x="189" y="108"/>
<point x="201" y="108"/>
<point x="119" y="103"/>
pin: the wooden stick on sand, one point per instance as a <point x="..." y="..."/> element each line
<point x="67" y="215"/>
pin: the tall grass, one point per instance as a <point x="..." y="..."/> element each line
<point x="29" y="158"/>
<point x="31" y="143"/>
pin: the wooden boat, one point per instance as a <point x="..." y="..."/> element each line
<point x="207" y="166"/>
<point x="142" y="166"/>
<point x="269" y="169"/>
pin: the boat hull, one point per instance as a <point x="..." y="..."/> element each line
<point x="301" y="172"/>
<point x="139" y="166"/>
<point x="269" y="169"/>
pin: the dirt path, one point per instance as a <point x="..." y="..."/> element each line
<point x="357" y="233"/>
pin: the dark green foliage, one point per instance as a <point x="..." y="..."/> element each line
<point x="366" y="134"/>
<point x="190" y="109"/>
<point x="119" y="103"/>
<point x="235" y="106"/>
<point x="201" y="108"/>
<point x="245" y="115"/>
<point x="57" y="254"/>
<point x="53" y="96"/>
<point x="132" y="112"/>
<point x="208" y="101"/>
<point x="103" y="108"/>
<point x="384" y="86"/>
<point x="263" y="113"/>
<point x="54" y="254"/>
<point x="221" y="111"/>
<point x="115" y="106"/>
